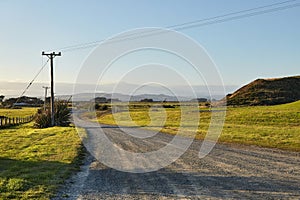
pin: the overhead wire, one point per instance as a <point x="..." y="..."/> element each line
<point x="193" y="24"/>
<point x="157" y="32"/>
<point x="244" y="16"/>
<point x="31" y="82"/>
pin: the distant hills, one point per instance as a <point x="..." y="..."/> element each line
<point x="124" y="97"/>
<point x="259" y="92"/>
<point x="14" y="89"/>
<point x="267" y="92"/>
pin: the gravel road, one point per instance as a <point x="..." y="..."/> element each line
<point x="228" y="172"/>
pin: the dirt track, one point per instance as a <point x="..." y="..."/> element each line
<point x="228" y="172"/>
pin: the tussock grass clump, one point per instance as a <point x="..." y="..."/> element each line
<point x="62" y="116"/>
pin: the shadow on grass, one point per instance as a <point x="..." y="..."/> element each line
<point x="22" y="179"/>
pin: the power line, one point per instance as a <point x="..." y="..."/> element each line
<point x="77" y="45"/>
<point x="31" y="82"/>
<point x="232" y="13"/>
<point x="194" y="24"/>
<point x="157" y="32"/>
<point x="88" y="44"/>
<point x="244" y="16"/>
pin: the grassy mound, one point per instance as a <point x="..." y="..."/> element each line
<point x="267" y="92"/>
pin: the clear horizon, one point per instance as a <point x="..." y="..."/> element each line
<point x="12" y="89"/>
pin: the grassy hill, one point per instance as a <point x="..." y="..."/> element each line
<point x="267" y="92"/>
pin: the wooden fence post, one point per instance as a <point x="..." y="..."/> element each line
<point x="12" y="121"/>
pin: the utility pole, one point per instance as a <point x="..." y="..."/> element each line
<point x="51" y="56"/>
<point x="46" y="89"/>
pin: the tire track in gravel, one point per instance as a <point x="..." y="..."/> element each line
<point x="228" y="172"/>
<point x="258" y="166"/>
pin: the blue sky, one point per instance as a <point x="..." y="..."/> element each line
<point x="261" y="46"/>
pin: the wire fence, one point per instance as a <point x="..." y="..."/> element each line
<point x="13" y="121"/>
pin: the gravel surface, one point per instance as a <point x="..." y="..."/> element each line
<point x="228" y="172"/>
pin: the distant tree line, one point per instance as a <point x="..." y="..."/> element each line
<point x="22" y="101"/>
<point x="105" y="100"/>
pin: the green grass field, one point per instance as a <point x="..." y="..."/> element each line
<point x="24" y="112"/>
<point x="33" y="162"/>
<point x="265" y="126"/>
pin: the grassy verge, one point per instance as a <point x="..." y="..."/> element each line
<point x="266" y="126"/>
<point x="33" y="162"/>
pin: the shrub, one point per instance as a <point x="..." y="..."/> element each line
<point x="147" y="100"/>
<point x="101" y="107"/>
<point x="62" y="115"/>
<point x="97" y="106"/>
<point x="43" y="120"/>
<point x="168" y="106"/>
<point x="207" y="104"/>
